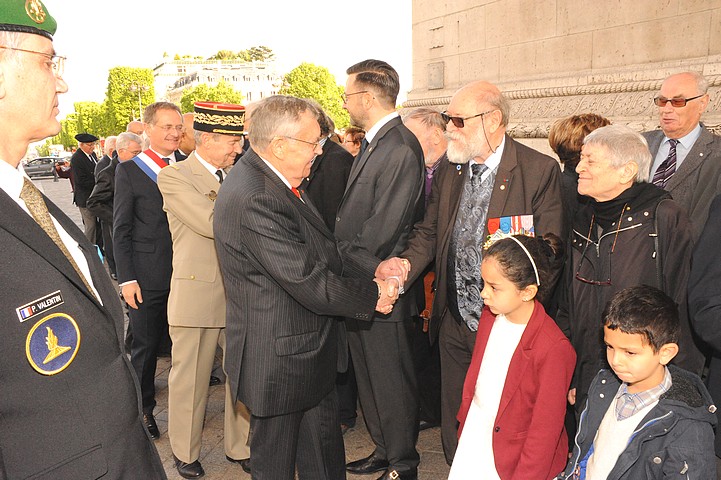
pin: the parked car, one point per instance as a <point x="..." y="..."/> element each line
<point x="41" y="166"/>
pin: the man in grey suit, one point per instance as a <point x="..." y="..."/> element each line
<point x="687" y="156"/>
<point x="382" y="201"/>
<point x="285" y="278"/>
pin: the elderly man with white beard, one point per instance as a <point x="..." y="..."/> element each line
<point x="490" y="184"/>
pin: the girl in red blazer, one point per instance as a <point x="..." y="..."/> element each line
<point x="514" y="396"/>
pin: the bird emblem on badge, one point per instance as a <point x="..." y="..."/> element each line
<point x="55" y="350"/>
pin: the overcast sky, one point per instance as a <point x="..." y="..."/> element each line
<point x="100" y="34"/>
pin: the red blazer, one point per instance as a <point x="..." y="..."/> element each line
<point x="529" y="439"/>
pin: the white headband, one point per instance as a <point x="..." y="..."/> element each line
<point x="535" y="270"/>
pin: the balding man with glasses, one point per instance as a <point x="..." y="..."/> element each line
<point x="488" y="175"/>
<point x="687" y="156"/>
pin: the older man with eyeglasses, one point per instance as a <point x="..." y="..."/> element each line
<point x="488" y="175"/>
<point x="686" y="155"/>
<point x="69" y="403"/>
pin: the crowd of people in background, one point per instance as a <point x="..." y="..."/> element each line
<point x="556" y="319"/>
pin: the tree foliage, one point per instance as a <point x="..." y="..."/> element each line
<point x="311" y="81"/>
<point x="222" y="92"/>
<point x="121" y="100"/>
<point x="68" y="130"/>
<point x="253" y="54"/>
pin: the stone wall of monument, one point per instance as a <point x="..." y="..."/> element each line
<point x="555" y="58"/>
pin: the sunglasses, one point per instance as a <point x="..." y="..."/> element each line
<point x="460" y="122"/>
<point x="676" y="102"/>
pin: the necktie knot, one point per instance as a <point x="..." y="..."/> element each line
<point x="477" y="169"/>
<point x="295" y="191"/>
<point x="667" y="168"/>
<point x="166" y="160"/>
<point x="219" y="174"/>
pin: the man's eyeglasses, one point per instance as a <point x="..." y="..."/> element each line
<point x="57" y="63"/>
<point x="134" y="153"/>
<point x="676" y="102"/>
<point x="460" y="122"/>
<point x="345" y="96"/>
<point x="314" y="144"/>
<point x="168" y="128"/>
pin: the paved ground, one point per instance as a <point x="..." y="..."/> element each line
<point x="212" y="455"/>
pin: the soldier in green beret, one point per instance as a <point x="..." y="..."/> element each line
<point x="69" y="407"/>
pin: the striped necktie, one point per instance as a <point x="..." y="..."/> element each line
<point x="665" y="171"/>
<point x="36" y="205"/>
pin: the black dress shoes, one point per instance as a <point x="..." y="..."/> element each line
<point x="370" y="464"/>
<point x="189" y="470"/>
<point x="149" y="421"/>
<point x="244" y="464"/>
<point x="393" y="474"/>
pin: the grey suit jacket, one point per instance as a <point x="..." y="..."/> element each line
<point x="382" y="201"/>
<point x="285" y="279"/>
<point x="527" y="182"/>
<point x="698" y="180"/>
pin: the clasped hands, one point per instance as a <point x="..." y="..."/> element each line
<point x="391" y="276"/>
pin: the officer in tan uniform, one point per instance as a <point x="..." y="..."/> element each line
<point x="196" y="305"/>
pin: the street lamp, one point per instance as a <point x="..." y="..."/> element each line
<point x="136" y="87"/>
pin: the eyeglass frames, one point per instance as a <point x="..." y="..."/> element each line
<point x="57" y="63"/>
<point x="314" y="144"/>
<point x="344" y="96"/>
<point x="676" y="102"/>
<point x="460" y="122"/>
<point x="578" y="275"/>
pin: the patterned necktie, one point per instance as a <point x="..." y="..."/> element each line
<point x="465" y="251"/>
<point x="665" y="171"/>
<point x="36" y="205"/>
<point x="219" y="173"/>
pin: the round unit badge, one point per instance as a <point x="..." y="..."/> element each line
<point x="52" y="343"/>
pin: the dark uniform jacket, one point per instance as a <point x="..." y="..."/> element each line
<point x="674" y="440"/>
<point x="81" y="418"/>
<point x="83" y="176"/>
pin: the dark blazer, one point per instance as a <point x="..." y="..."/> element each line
<point x="141" y="236"/>
<point x="382" y="201"/>
<point x="84" y="421"/>
<point x="530" y="440"/>
<point x="84" y="175"/>
<point x="527" y="182"/>
<point x="327" y="180"/>
<point x="285" y="278"/>
<point x="698" y="180"/>
<point x="102" y="163"/>
<point x="704" y="299"/>
<point x="100" y="201"/>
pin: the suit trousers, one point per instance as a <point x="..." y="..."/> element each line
<point x="188" y="383"/>
<point x="107" y="231"/>
<point x="309" y="440"/>
<point x="90" y="222"/>
<point x="148" y="323"/>
<point x="382" y="355"/>
<point x="456" y="342"/>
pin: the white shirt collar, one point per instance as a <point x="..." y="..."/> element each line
<point x="207" y="165"/>
<point x="280" y="175"/>
<point x="378" y="125"/>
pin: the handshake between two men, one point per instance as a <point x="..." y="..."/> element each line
<point x="391" y="276"/>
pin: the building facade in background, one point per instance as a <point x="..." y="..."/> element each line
<point x="255" y="80"/>
<point x="555" y="58"/>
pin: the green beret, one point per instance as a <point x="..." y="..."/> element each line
<point x="27" y="16"/>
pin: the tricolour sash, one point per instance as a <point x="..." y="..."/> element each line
<point x="150" y="163"/>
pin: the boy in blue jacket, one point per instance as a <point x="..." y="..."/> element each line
<point x="644" y="420"/>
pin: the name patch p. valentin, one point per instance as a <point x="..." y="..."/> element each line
<point x="36" y="307"/>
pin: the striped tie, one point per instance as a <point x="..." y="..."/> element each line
<point x="36" y="205"/>
<point x="665" y="171"/>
